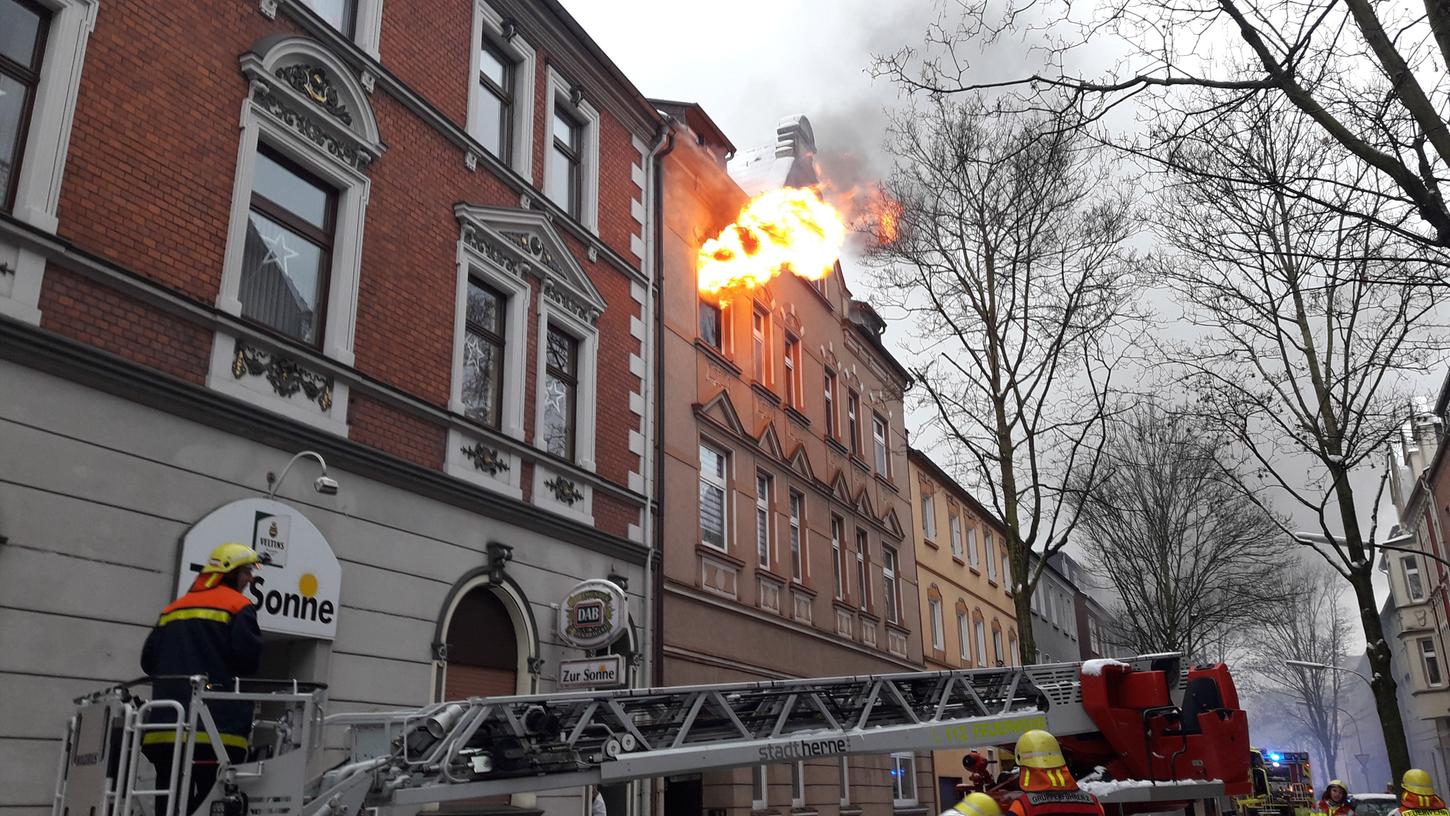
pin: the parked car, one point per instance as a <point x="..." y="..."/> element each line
<point x="1374" y="804"/>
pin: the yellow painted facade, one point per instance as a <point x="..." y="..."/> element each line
<point x="967" y="614"/>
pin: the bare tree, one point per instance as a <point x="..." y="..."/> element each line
<point x="1009" y="259"/>
<point x="1369" y="77"/>
<point x="1301" y="349"/>
<point x="1309" y="626"/>
<point x="1192" y="558"/>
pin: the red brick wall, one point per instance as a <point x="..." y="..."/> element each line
<point x="614" y="516"/>
<point x="110" y="321"/>
<point x="148" y="187"/>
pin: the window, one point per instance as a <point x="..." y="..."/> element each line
<point x="760" y="342"/>
<point x="938" y="639"/>
<point x="1051" y="602"/>
<point x="990" y="547"/>
<point x="762" y="517"/>
<point x="712" y="326"/>
<point x="798" y="784"/>
<point x="483" y="352"/>
<point x="979" y="633"/>
<point x="828" y="401"/>
<point x="1036" y="599"/>
<point x="1431" y="661"/>
<point x="1413" y="585"/>
<point x="713" y="525"/>
<point x="561" y="387"/>
<point x="888" y="580"/>
<point x="798" y="557"/>
<point x="493" y="115"/>
<point x="845" y="781"/>
<point x="954" y="530"/>
<point x="853" y="420"/>
<point x="928" y="516"/>
<point x="997" y="644"/>
<point x="563" y="177"/>
<point x="838" y="555"/>
<point x="878" y="439"/>
<point x="1011" y="649"/>
<point x="1006" y="568"/>
<point x="963" y="640"/>
<point x="1095" y="642"/>
<point x="972" y="557"/>
<point x="285" y="262"/>
<point x="759" y="789"/>
<point x="903" y="778"/>
<point x="793" y="372"/>
<point x="21" y="48"/>
<point x="862" y="563"/>
<point x="340" y="14"/>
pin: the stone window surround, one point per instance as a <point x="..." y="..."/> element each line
<point x="586" y="392"/>
<point x="47" y="144"/>
<point x="489" y="24"/>
<point x="261" y="126"/>
<point x="367" y="22"/>
<point x="559" y="90"/>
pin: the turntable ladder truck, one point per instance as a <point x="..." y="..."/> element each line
<point x="1146" y="718"/>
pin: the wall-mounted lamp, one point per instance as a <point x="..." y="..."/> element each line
<point x="323" y="484"/>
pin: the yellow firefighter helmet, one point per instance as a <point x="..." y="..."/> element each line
<point x="1039" y="749"/>
<point x="1417" y="781"/>
<point x="977" y="804"/>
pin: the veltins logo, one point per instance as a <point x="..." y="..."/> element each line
<point x="269" y="538"/>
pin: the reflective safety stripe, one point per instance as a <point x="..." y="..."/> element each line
<point x="166" y="737"/>
<point x="218" y="615"/>
<point x="1026" y="777"/>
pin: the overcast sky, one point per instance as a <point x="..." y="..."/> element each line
<point x="751" y="62"/>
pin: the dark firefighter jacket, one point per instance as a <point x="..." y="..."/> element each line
<point x="206" y="631"/>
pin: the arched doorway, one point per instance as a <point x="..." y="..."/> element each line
<point x="482" y="648"/>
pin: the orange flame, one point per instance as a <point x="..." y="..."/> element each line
<point x="791" y="229"/>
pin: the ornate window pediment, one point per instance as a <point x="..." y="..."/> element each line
<point x="525" y="244"/>
<point x="314" y="94"/>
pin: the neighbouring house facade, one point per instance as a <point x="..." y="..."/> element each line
<point x="1054" y="616"/>
<point x="1418" y="608"/>
<point x="1091" y="619"/>
<point x="787" y="551"/>
<point x="410" y="239"/>
<point x="968" y="620"/>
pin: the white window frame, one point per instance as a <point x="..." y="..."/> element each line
<point x="879" y="433"/>
<point x="793" y="382"/>
<point x="954" y="530"/>
<point x="1006" y="567"/>
<point x="762" y="518"/>
<point x="973" y="558"/>
<point x="759" y="787"/>
<point x="588" y="117"/>
<point x="367" y="24"/>
<point x="898" y="776"/>
<point x="828" y="403"/>
<point x="997" y="653"/>
<point x="798" y="784"/>
<point x="928" y="516"/>
<point x="844" y="791"/>
<point x="46" y="147"/>
<point x="838" y="561"/>
<point x="1410" y="564"/>
<point x="979" y="635"/>
<point x="889" y="584"/>
<point x="989" y="546"/>
<point x="489" y="24"/>
<point x="353" y="187"/>
<point x="799" y="549"/>
<point x="1430" y="655"/>
<point x="586" y="390"/>
<point x="938" y="636"/>
<point x="964" y="639"/>
<point x="863" y="572"/>
<point x="723" y="483"/>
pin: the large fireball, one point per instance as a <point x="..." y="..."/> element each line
<point x="791" y="229"/>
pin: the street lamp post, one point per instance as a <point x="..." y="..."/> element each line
<point x="1305" y="664"/>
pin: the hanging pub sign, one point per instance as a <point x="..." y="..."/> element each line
<point x="594" y="614"/>
<point x="296" y="589"/>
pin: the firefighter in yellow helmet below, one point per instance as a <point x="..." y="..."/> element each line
<point x="1048" y="787"/>
<point x="211" y="630"/>
<point x="1335" y="801"/>
<point x="975" y="804"/>
<point x="1417" y="796"/>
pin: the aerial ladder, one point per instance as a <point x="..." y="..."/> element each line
<point x="1147" y="718"/>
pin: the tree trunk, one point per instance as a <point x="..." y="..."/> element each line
<point x="1382" y="681"/>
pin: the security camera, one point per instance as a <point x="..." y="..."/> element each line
<point x="326" y="485"/>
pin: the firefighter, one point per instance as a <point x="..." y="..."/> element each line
<point x="1335" y="801"/>
<point x="212" y="631"/>
<point x="1048" y="788"/>
<point x="1417" y="796"/>
<point x="975" y="804"/>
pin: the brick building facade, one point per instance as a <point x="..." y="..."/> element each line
<point x="787" y="552"/>
<point x="408" y="237"/>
